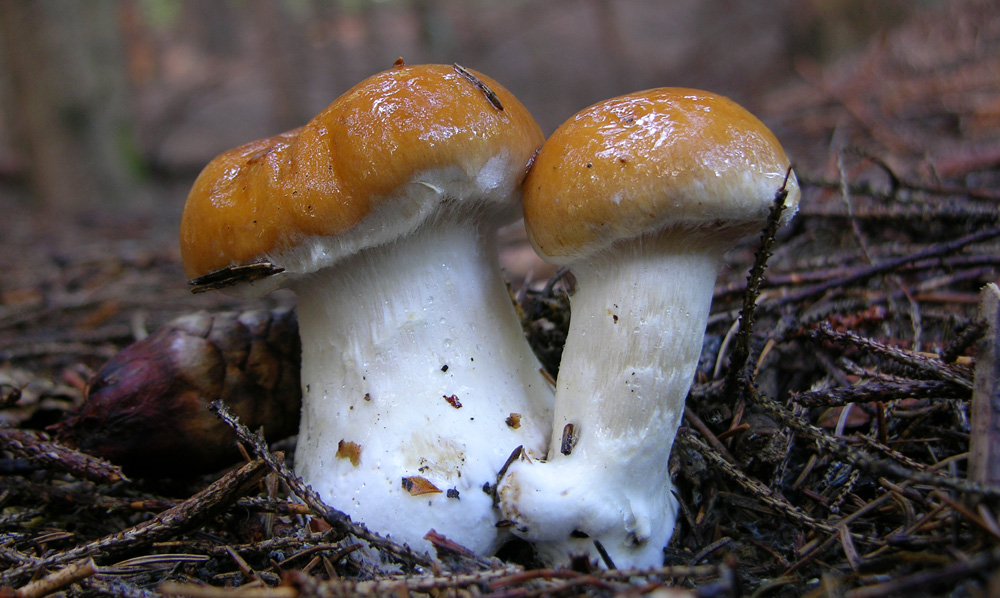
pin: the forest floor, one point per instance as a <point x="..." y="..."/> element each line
<point x="825" y="450"/>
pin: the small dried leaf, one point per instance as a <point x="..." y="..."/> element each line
<point x="417" y="485"/>
<point x="514" y="420"/>
<point x="350" y="451"/>
<point x="453" y="401"/>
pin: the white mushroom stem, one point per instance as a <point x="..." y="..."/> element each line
<point x="638" y="321"/>
<point x="413" y="362"/>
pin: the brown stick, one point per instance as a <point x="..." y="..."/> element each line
<point x="984" y="447"/>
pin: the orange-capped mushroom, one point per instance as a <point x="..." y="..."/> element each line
<point x="381" y="214"/>
<point x="640" y="195"/>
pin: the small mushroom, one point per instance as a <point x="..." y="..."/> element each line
<point x="381" y="215"/>
<point x="640" y="195"/>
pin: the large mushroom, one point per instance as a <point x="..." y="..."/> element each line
<point x="381" y="215"/>
<point x="640" y="195"/>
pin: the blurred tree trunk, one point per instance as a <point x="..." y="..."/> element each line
<point x="66" y="101"/>
<point x="614" y="46"/>
<point x="281" y="63"/>
<point x="435" y="30"/>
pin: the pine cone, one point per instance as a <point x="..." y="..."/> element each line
<point x="147" y="408"/>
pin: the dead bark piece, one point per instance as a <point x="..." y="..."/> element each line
<point x="984" y="449"/>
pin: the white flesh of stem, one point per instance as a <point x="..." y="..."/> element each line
<point x="388" y="337"/>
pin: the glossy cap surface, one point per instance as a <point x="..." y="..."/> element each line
<point x="372" y="166"/>
<point x="663" y="159"/>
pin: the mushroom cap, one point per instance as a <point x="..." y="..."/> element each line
<point x="375" y="164"/>
<point x="666" y="159"/>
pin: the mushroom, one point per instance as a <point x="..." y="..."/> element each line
<point x="640" y="195"/>
<point x="381" y="214"/>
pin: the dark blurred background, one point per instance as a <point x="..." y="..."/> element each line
<point x="112" y="104"/>
<point x="110" y="108"/>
